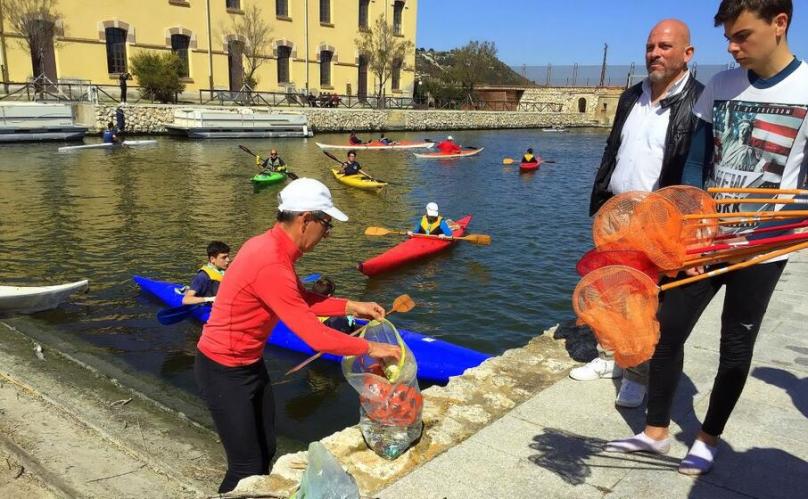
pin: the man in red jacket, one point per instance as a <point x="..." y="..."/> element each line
<point x="261" y="287"/>
<point x="448" y="146"/>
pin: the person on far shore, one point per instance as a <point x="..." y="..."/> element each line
<point x="448" y="146"/>
<point x="353" y="139"/>
<point x="205" y="283"/>
<point x="432" y="223"/>
<point x="109" y="136"/>
<point x="122" y="82"/>
<point x="529" y="157"/>
<point x="262" y="287"/>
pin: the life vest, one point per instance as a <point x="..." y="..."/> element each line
<point x="433" y="228"/>
<point x="108" y="136"/>
<point x="351" y="168"/>
<point x="214" y="273"/>
<point x="529" y="158"/>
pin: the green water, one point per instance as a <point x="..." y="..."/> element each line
<point x="106" y="215"/>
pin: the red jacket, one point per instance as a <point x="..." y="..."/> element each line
<point x="448" y="147"/>
<point x="259" y="289"/>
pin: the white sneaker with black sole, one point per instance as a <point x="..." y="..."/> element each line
<point x="596" y="369"/>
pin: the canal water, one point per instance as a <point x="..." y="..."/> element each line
<point x="107" y="215"/>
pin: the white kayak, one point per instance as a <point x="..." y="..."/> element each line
<point x="28" y="299"/>
<point x="440" y="155"/>
<point x="125" y="143"/>
<point x="554" y="130"/>
<point x="402" y="144"/>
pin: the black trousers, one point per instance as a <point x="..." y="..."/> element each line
<point x="243" y="408"/>
<point x="747" y="297"/>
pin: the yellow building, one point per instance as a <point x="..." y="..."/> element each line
<point x="312" y="43"/>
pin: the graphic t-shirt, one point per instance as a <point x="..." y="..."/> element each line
<point x="759" y="133"/>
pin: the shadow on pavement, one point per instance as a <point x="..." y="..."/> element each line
<point x="794" y="387"/>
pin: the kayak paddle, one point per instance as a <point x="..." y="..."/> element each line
<point x="402" y="304"/>
<point x="360" y="171"/>
<point x="510" y="161"/>
<point x="507" y="161"/>
<point x="172" y="315"/>
<point x="288" y="173"/>
<point x="481" y="239"/>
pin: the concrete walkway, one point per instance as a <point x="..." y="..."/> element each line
<point x="550" y="446"/>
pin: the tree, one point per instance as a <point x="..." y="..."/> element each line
<point x="35" y="21"/>
<point x="383" y="50"/>
<point x="257" y="36"/>
<point x="158" y="75"/>
<point x="471" y="63"/>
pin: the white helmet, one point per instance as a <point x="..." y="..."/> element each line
<point x="449" y="138"/>
<point x="432" y="209"/>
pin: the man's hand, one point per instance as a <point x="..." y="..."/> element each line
<point x="409" y="233"/>
<point x="443" y="236"/>
<point x="384" y="351"/>
<point x="209" y="299"/>
<point x="365" y="309"/>
<point x="695" y="271"/>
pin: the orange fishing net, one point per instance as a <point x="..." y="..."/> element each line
<point x="690" y="201"/>
<point x="611" y="225"/>
<point x="601" y="257"/>
<point x="620" y="304"/>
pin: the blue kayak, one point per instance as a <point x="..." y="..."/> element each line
<point x="437" y="359"/>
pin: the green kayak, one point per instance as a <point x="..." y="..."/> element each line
<point x="268" y="178"/>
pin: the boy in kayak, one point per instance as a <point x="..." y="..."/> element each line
<point x="344" y="323"/>
<point x="448" y="146"/>
<point x="273" y="163"/>
<point x="384" y="140"/>
<point x="432" y="223"/>
<point x="530" y="158"/>
<point x="109" y="136"/>
<point x="353" y="139"/>
<point x="352" y="166"/>
<point x="206" y="282"/>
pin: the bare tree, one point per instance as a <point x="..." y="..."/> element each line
<point x="471" y="63"/>
<point x="383" y="50"/>
<point x="257" y="35"/>
<point x="35" y="21"/>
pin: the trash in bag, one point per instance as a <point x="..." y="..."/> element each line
<point x="324" y="478"/>
<point x="389" y="397"/>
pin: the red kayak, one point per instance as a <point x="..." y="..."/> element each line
<point x="529" y="167"/>
<point x="412" y="249"/>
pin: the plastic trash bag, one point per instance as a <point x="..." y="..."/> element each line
<point x="389" y="397"/>
<point x="324" y="477"/>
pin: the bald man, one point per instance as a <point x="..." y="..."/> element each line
<point x="647" y="150"/>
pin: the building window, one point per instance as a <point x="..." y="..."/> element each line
<point x="364" y="6"/>
<point x="116" y="50"/>
<point x="325" y="67"/>
<point x="325" y="11"/>
<point x="282" y="8"/>
<point x="398" y="10"/>
<point x="284" y="53"/>
<point x="179" y="45"/>
<point x="581" y="105"/>
<point x="233" y="4"/>
<point x="395" y="77"/>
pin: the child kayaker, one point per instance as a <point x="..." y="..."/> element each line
<point x="326" y="287"/>
<point x="352" y="166"/>
<point x="205" y="283"/>
<point x="353" y="139"/>
<point x="109" y="136"/>
<point x="432" y="223"/>
<point x="529" y="157"/>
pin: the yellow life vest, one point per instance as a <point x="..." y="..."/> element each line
<point x="433" y="228"/>
<point x="214" y="273"/>
<point x="528" y="158"/>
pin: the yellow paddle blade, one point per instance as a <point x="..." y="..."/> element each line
<point x="481" y="239"/>
<point x="378" y="231"/>
<point x="402" y="304"/>
<point x="507" y="161"/>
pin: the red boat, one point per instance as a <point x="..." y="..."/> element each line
<point x="412" y="249"/>
<point x="529" y="167"/>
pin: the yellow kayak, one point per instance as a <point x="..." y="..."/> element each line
<point x="359" y="181"/>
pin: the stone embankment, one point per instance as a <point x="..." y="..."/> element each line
<point x="151" y="118"/>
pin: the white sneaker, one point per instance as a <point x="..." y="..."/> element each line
<point x="631" y="394"/>
<point x="596" y="369"/>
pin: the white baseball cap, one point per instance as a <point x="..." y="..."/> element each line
<point x="449" y="138"/>
<point x="307" y="194"/>
<point x="432" y="209"/>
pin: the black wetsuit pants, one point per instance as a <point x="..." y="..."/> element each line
<point x="747" y="296"/>
<point x="243" y="408"/>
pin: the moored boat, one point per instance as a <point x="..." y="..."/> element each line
<point x="29" y="299"/>
<point x="359" y="181"/>
<point x="109" y="145"/>
<point x="414" y="248"/>
<point x="437" y="359"/>
<point x="440" y="155"/>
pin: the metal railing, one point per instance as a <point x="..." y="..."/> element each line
<point x="46" y="90"/>
<point x="246" y="97"/>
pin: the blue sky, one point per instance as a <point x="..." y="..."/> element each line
<point x="535" y="32"/>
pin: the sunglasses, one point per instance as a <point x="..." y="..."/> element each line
<point x="325" y="223"/>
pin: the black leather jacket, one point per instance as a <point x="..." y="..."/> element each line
<point x="677" y="141"/>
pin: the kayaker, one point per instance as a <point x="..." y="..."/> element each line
<point x="109" y="135"/>
<point x="353" y="139"/>
<point x="448" y="146"/>
<point x="384" y="140"/>
<point x="432" y="223"/>
<point x="343" y="323"/>
<point x="530" y="158"/>
<point x="205" y="283"/>
<point x="273" y="163"/>
<point x="262" y="287"/>
<point x="352" y="166"/>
